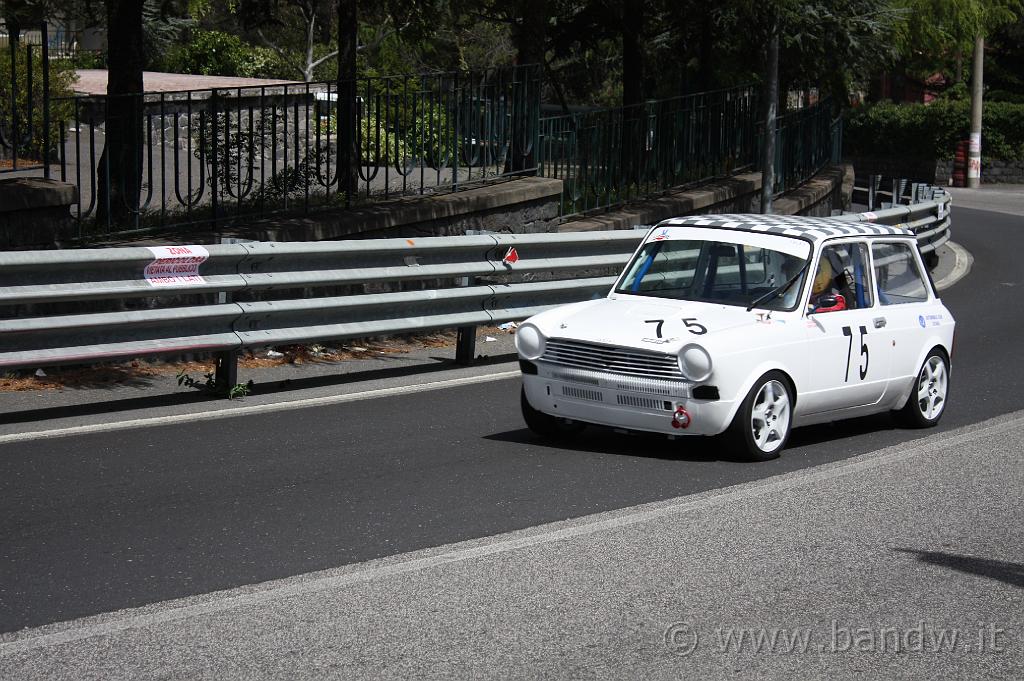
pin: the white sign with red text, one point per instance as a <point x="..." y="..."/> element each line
<point x="175" y="265"/>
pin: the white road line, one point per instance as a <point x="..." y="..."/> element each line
<point x="255" y="409"/>
<point x="255" y="595"/>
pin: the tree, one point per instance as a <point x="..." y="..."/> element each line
<point x="348" y="113"/>
<point x="936" y="34"/>
<point x="120" y="167"/>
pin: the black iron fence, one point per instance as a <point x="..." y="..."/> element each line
<point x="26" y="128"/>
<point x="212" y="156"/>
<point x="612" y="156"/>
<point x="806" y="141"/>
<point x="209" y="157"/>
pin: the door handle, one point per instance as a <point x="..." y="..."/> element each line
<point x="879" y="322"/>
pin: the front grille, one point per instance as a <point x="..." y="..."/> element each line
<point x="644" y="402"/>
<point x="614" y="360"/>
<point x="582" y="394"/>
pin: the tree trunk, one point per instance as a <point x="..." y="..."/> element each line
<point x="634" y="130"/>
<point x="348" y="111"/>
<point x="632" y="53"/>
<point x="771" y="100"/>
<point x="529" y="36"/>
<point x="707" y="32"/>
<point x="120" y="167"/>
<point x="323" y="12"/>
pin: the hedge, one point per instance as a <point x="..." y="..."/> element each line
<point x="931" y="131"/>
<point x="215" y="53"/>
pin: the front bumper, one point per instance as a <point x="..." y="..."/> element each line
<point x="620" y="401"/>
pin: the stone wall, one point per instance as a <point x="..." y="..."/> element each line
<point x="830" y="189"/>
<point x="35" y="213"/>
<point x="523" y="205"/>
<point x="993" y="171"/>
<point x="939" y="173"/>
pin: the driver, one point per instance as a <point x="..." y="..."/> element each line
<point x="825" y="297"/>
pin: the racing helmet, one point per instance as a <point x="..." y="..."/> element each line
<point x="823" y="279"/>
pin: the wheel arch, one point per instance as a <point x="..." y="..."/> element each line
<point x="936" y="344"/>
<point x="756" y="375"/>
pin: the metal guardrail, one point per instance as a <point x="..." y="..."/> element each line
<point x="928" y="216"/>
<point x="503" y="277"/>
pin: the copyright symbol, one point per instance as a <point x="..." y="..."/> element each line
<point x="681" y="638"/>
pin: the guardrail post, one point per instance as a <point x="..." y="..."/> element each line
<point x="226" y="376"/>
<point x="465" y="341"/>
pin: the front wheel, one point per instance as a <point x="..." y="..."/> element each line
<point x="545" y="425"/>
<point x="761" y="427"/>
<point x="927" y="400"/>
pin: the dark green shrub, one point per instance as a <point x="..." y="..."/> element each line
<point x="214" y="53"/>
<point x="931" y="131"/>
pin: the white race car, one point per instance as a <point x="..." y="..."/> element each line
<point x="745" y="326"/>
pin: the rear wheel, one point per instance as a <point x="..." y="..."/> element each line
<point x="761" y="427"/>
<point x="927" y="400"/>
<point x="545" y="425"/>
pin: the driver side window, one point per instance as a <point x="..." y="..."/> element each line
<point x="842" y="280"/>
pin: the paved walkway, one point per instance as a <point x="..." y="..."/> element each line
<point x="1001" y="198"/>
<point x="94" y="82"/>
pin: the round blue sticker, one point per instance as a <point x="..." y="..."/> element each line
<point x="920" y="320"/>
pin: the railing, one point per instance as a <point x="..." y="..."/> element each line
<point x="213" y="286"/>
<point x="611" y="156"/>
<point x="806" y="141"/>
<point x="25" y="125"/>
<point x="214" y="156"/>
<point x="926" y="213"/>
<point x="61" y="42"/>
<point x="882" y="191"/>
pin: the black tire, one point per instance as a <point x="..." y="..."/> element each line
<point x="928" y="397"/>
<point x="745" y="438"/>
<point x="545" y="425"/>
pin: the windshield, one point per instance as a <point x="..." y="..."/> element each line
<point x="718" y="271"/>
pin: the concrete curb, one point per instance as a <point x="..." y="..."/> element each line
<point x="961" y="267"/>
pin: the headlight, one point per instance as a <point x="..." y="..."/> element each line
<point x="529" y="341"/>
<point x="694" y="363"/>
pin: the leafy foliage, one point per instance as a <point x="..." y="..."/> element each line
<point x="62" y="78"/>
<point x="215" y="53"/>
<point x="931" y="131"/>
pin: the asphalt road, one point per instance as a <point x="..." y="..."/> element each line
<point x="96" y="523"/>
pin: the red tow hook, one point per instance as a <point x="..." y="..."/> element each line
<point x="681" y="419"/>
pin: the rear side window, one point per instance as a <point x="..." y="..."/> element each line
<point x="899" y="278"/>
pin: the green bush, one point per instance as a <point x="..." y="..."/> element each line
<point x="214" y="53"/>
<point x="377" y="145"/>
<point x="430" y="138"/>
<point x="62" y="78"/>
<point x="931" y="131"/>
<point x="418" y="118"/>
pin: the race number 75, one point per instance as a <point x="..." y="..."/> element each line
<point x="848" y="332"/>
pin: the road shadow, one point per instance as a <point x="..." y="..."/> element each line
<point x="602" y="440"/>
<point x="834" y="431"/>
<point x="278" y="387"/>
<point x="440" y="365"/>
<point x="999" y="570"/>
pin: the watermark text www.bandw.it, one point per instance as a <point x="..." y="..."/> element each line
<point x="685" y="637"/>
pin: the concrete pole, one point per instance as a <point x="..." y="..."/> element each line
<point x="974" y="155"/>
<point x="771" y="96"/>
